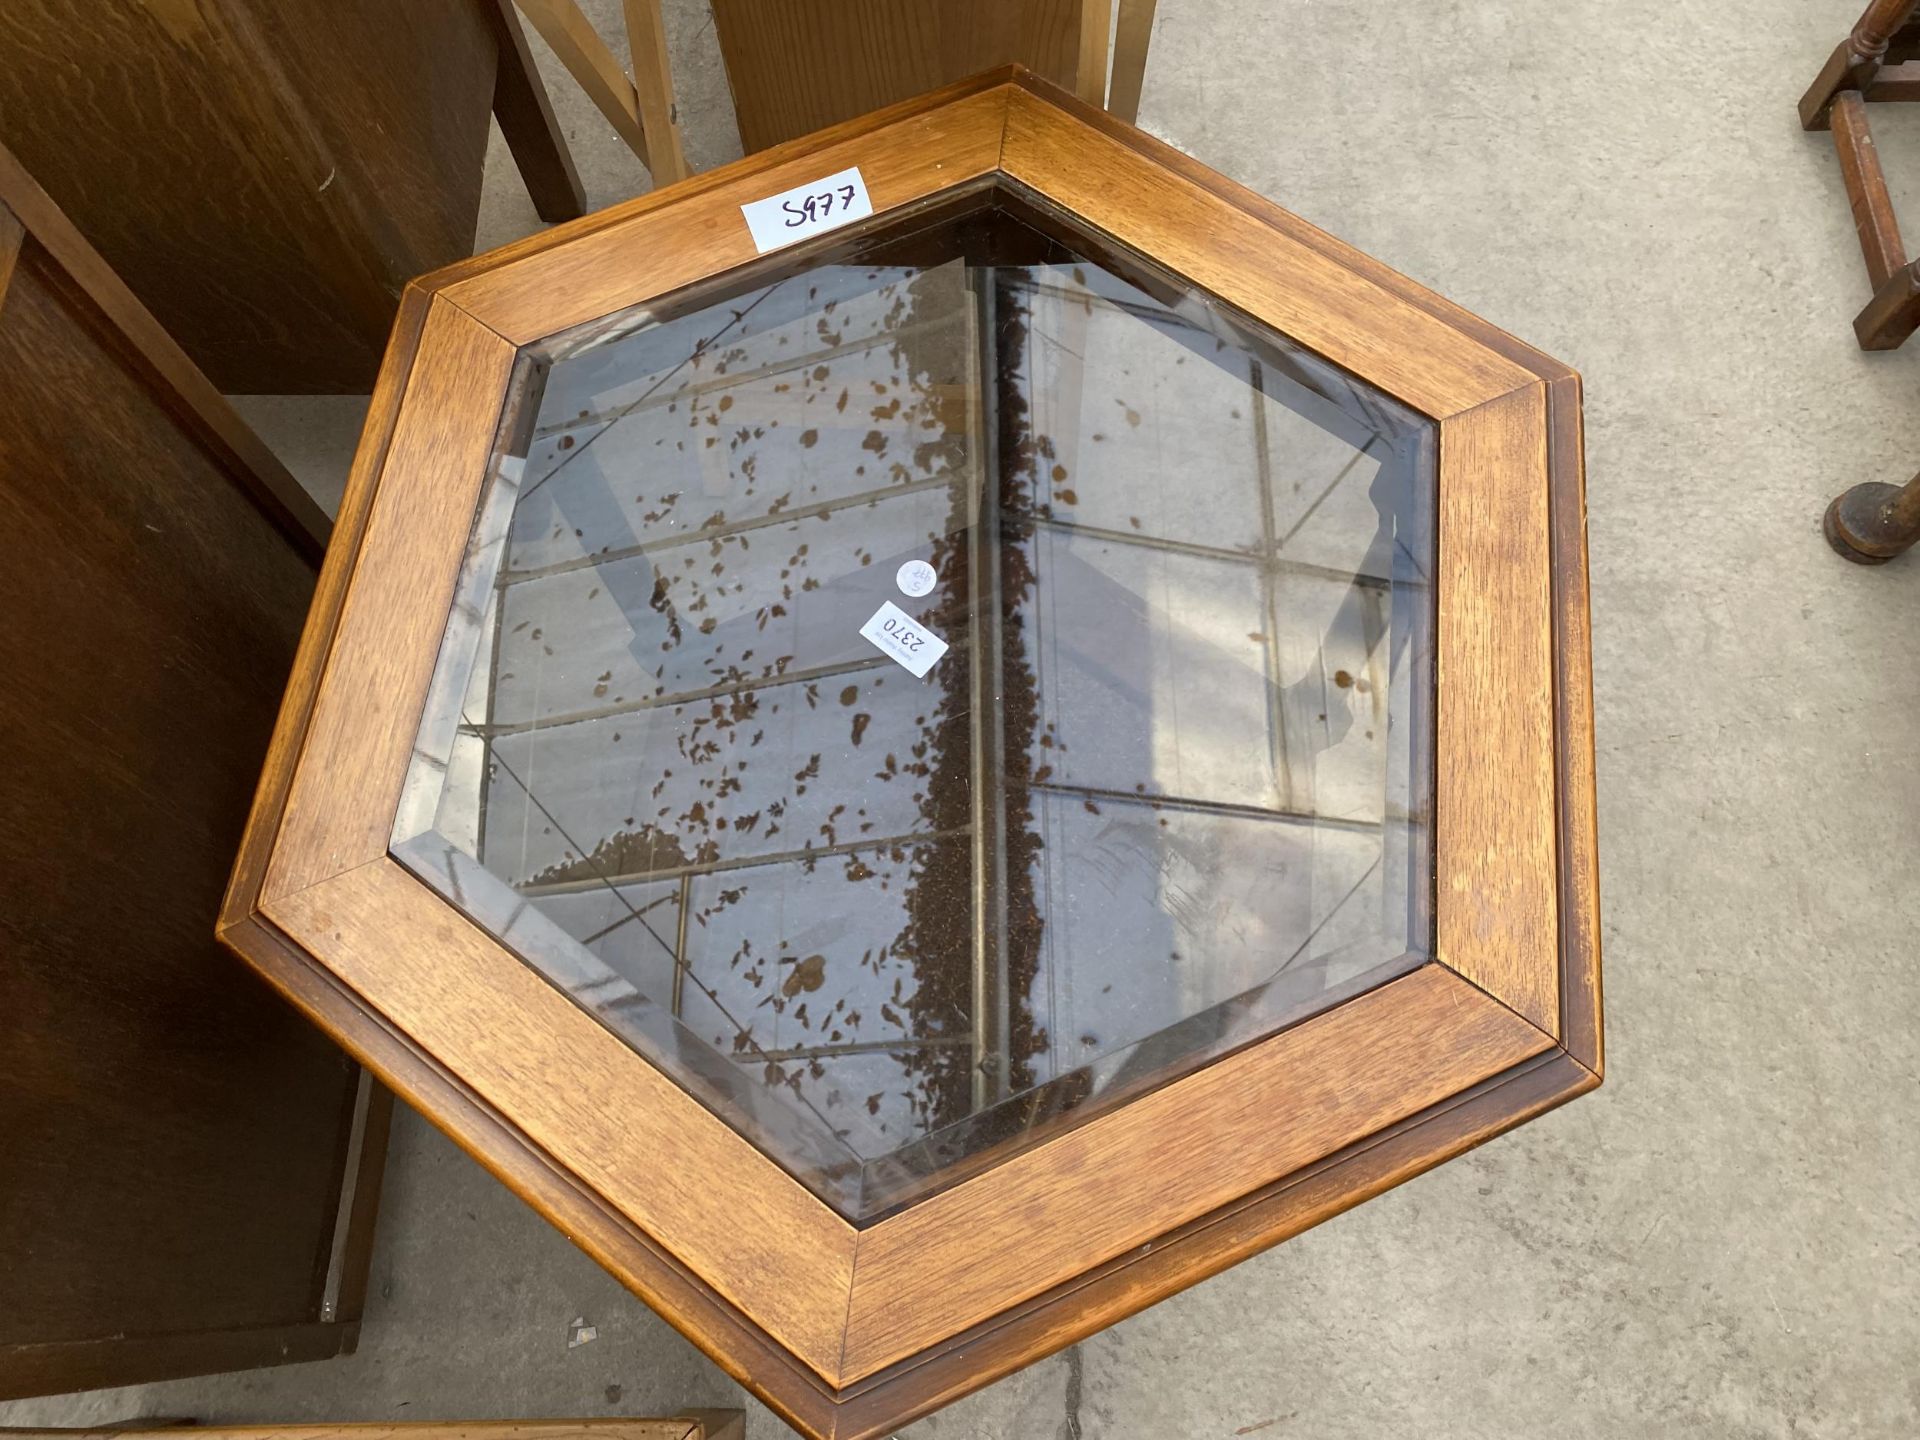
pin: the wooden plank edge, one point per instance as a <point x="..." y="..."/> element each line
<point x="129" y="328"/>
<point x="527" y="122"/>
<point x="627" y="211"/>
<point x="1510" y="348"/>
<point x="323" y="614"/>
<point x="718" y="1424"/>
<point x="725" y="1334"/>
<point x="363" y="1178"/>
<point x="64" y="1366"/>
<point x="13" y="236"/>
<point x="1123" y="1287"/>
<point x="1581" y="1006"/>
<point x="689" y="1425"/>
<point x="914" y="1286"/>
<point x="1533" y="989"/>
<point x="328" y="823"/>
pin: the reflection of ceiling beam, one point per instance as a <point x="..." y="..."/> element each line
<point x="733" y="379"/>
<point x="601" y="558"/>
<point x="1299" y="818"/>
<point x="534" y="890"/>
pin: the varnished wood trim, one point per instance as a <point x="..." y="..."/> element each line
<point x="66" y="1365"/>
<point x="1131" y="40"/>
<point x="1580" y="1023"/>
<point x="638" y="1260"/>
<point x="694" y="230"/>
<point x="578" y="46"/>
<point x="616" y="217"/>
<point x="323" y="615"/>
<point x="1096" y="24"/>
<point x="653" y="85"/>
<point x="745" y="1227"/>
<point x="1131" y="1283"/>
<point x="1495" y="893"/>
<point x="847" y="1332"/>
<point x="693" y="1425"/>
<point x="130" y="330"/>
<point x="340" y="807"/>
<point x="1260" y="208"/>
<point x="1893" y="313"/>
<point x="1221" y="247"/>
<point x="1170" y="1157"/>
<point x="1873" y="215"/>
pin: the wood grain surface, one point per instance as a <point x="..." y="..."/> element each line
<point x="578" y="46"/>
<point x="174" y="1137"/>
<point x="1874" y="220"/>
<point x="641" y="1262"/>
<point x="963" y="1255"/>
<point x="848" y="1334"/>
<point x="1285" y="222"/>
<point x="582" y="1094"/>
<point x="1132" y="36"/>
<point x="877" y="1407"/>
<point x="1495" y="888"/>
<point x="1090" y="70"/>
<point x="340" y="809"/>
<point x="265" y="176"/>
<point x="323" y="614"/>
<point x="653" y="83"/>
<point x="173" y="380"/>
<point x="694" y="1425"/>
<point x="799" y="67"/>
<point x="1219" y="246"/>
<point x="1580" y="994"/>
<point x="656" y="244"/>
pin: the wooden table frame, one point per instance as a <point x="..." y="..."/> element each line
<point x="688" y="1425"/>
<point x="1880" y="60"/>
<point x="851" y="1331"/>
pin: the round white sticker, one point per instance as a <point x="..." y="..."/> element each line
<point x="916" y="577"/>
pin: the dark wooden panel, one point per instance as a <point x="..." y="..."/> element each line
<point x="172" y="1136"/>
<point x="796" y="66"/>
<point x="266" y="176"/>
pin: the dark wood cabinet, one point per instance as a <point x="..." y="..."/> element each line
<point x="267" y="176"/>
<point x="188" y="1171"/>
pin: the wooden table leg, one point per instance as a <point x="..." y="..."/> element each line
<point x="528" y="124"/>
<point x="1872" y="522"/>
<point x="1131" y="39"/>
<point x="1853" y="63"/>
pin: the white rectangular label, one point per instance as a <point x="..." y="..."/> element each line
<point x="904" y="638"/>
<point x="808" y="210"/>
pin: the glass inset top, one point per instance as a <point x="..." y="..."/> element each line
<point x="1166" y="791"/>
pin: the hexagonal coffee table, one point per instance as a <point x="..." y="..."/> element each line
<point x="927" y="738"/>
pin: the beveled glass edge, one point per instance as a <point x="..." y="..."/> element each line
<point x="647" y="1027"/>
<point x="1414" y="436"/>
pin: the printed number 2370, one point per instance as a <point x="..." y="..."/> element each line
<point x="811" y="209"/>
<point x="906" y="636"/>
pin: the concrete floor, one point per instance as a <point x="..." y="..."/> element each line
<point x="1724" y="1241"/>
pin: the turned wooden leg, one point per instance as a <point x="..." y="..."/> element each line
<point x="1872" y="523"/>
<point x="527" y="121"/>
<point x="1853" y="64"/>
